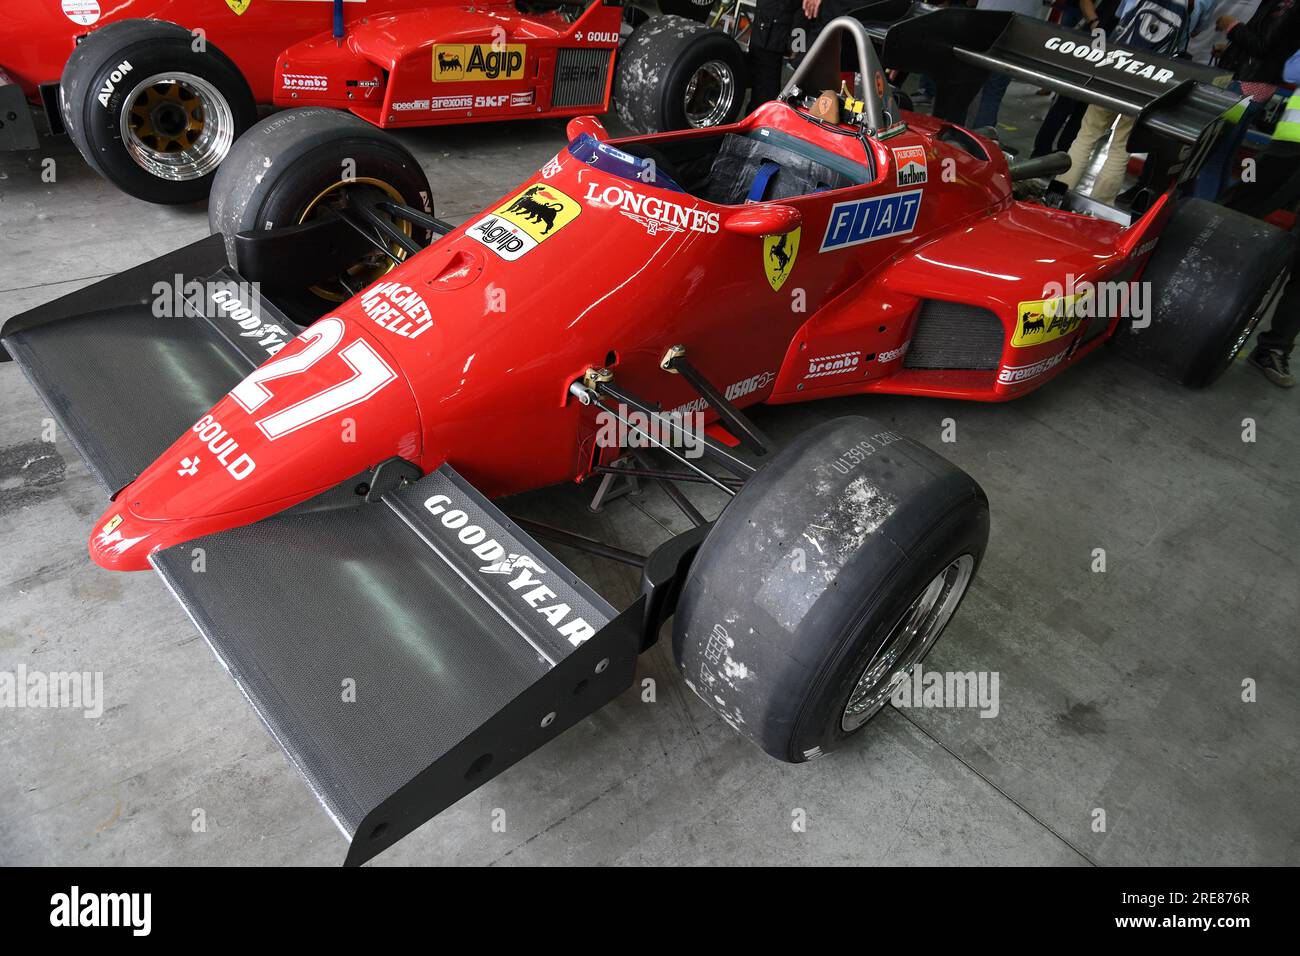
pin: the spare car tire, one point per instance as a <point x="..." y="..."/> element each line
<point x="1214" y="274"/>
<point x="674" y="73"/>
<point x="825" y="580"/>
<point x="149" y="113"/>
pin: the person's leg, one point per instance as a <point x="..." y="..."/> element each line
<point x="1110" y="179"/>
<point x="1070" y="129"/>
<point x="995" y="87"/>
<point x="1057" y="115"/>
<point x="952" y="100"/>
<point x="769" y="43"/>
<point x="1093" y="128"/>
<point x="1272" y="352"/>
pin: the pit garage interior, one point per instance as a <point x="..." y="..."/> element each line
<point x="1120" y="690"/>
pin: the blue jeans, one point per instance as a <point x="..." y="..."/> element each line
<point x="995" y="87"/>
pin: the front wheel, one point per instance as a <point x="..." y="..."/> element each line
<point x="827" y="579"/>
<point x="149" y="113"/>
<point x="674" y="73"/>
<point x="299" y="166"/>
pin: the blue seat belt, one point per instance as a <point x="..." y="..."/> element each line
<point x="758" y="188"/>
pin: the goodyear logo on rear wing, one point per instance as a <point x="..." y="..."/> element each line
<point x="517" y="226"/>
<point x="461" y="62"/>
<point x="1045" y="320"/>
<point x="865" y="220"/>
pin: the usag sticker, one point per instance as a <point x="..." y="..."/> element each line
<point x="778" y="257"/>
<point x="516" y="227"/>
<point x="866" y="220"/>
<point x="461" y="62"/>
<point x="1045" y="320"/>
<point x="909" y="165"/>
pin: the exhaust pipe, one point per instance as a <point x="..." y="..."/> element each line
<point x="1053" y="164"/>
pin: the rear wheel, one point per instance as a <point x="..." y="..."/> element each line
<point x="829" y="576"/>
<point x="674" y="73"/>
<point x="1214" y="275"/>
<point x="301" y="165"/>
<point x="149" y="113"/>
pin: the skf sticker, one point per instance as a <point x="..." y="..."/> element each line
<point x="909" y="165"/>
<point x="533" y="216"/>
<point x="866" y="220"/>
<point x="778" y="257"/>
<point x="239" y="6"/>
<point x="462" y="62"/>
<point x="1045" y="320"/>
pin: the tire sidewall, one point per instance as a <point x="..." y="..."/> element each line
<point x="864" y="629"/>
<point x="104" y="99"/>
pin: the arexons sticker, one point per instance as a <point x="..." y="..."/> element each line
<point x="461" y="62"/>
<point x="516" y="227"/>
<point x="910" y="167"/>
<point x="1016" y="374"/>
<point x="865" y="220"/>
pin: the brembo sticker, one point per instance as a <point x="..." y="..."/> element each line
<point x="521" y="571"/>
<point x="533" y="216"/>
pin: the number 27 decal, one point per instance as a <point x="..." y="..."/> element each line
<point x="370" y="374"/>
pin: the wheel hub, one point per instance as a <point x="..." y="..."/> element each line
<point x="710" y="94"/>
<point x="177" y="126"/>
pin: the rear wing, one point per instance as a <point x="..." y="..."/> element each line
<point x="1178" y="104"/>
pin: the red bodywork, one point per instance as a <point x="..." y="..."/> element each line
<point x="465" y="354"/>
<point x="384" y="69"/>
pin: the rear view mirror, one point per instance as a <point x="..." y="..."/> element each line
<point x="586" y="124"/>
<point x="773" y="220"/>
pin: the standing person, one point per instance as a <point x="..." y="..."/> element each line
<point x="1277" y="186"/>
<point x="1162" y="27"/>
<point x="769" y="44"/>
<point x="995" y="87"/>
<point x="1258" y="50"/>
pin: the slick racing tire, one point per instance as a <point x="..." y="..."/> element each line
<point x="827" y="578"/>
<point x="1214" y="274"/>
<point x="151" y="115"/>
<point x="299" y="164"/>
<point x="674" y="73"/>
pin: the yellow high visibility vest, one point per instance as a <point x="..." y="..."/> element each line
<point x="1288" y="127"/>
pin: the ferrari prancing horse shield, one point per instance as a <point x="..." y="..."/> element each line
<point x="778" y="257"/>
<point x="239" y="6"/>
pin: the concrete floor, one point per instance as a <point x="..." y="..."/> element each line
<point x="1120" y="691"/>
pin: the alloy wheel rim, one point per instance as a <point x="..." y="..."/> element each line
<point x="710" y="94"/>
<point x="177" y="126"/>
<point x="374" y="265"/>
<point x="908" y="642"/>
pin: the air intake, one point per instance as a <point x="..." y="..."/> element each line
<point x="956" y="336"/>
<point x="580" y="77"/>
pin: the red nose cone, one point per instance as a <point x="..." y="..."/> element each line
<point x="330" y="405"/>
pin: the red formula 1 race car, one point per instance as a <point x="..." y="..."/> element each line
<point x="155" y="92"/>
<point x="353" y="381"/>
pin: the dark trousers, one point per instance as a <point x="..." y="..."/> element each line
<point x="1276" y="186"/>
<point x="768" y="45"/>
<point x="1060" y="126"/>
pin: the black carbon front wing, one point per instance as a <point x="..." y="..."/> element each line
<point x="401" y="651"/>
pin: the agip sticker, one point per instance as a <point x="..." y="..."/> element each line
<point x="517" y="226"/>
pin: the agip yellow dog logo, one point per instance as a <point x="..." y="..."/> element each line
<point x="239" y="6"/>
<point x="460" y="62"/>
<point x="1045" y="320"/>
<point x="540" y="211"/>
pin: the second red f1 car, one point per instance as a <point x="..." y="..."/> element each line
<point x="353" y="392"/>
